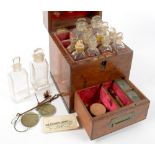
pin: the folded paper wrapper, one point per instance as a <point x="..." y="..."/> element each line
<point x="60" y="123"/>
<point x="99" y="93"/>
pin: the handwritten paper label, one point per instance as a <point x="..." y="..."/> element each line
<point x="60" y="123"/>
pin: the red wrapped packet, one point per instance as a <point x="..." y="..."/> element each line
<point x="107" y="100"/>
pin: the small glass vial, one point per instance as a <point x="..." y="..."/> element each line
<point x="39" y="70"/>
<point x="79" y="53"/>
<point x="92" y="47"/>
<point x="105" y="47"/>
<point x="18" y="81"/>
<point x="81" y="27"/>
<point x="118" y="42"/>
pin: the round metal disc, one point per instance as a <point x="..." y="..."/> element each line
<point x="46" y="110"/>
<point x="30" y="119"/>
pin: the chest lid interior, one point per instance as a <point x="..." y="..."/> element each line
<point x="57" y="19"/>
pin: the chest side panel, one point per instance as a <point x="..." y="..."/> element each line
<point x="101" y="70"/>
<point x="60" y="70"/>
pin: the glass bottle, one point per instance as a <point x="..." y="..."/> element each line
<point x="92" y="47"/>
<point x="96" y="22"/>
<point x="39" y="70"/>
<point x="105" y="47"/>
<point x="79" y="53"/>
<point x="86" y="35"/>
<point x="18" y="81"/>
<point x="101" y="32"/>
<point x="81" y="27"/>
<point x="112" y="34"/>
<point x="118" y="41"/>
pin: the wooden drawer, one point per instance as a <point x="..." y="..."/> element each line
<point x="113" y="120"/>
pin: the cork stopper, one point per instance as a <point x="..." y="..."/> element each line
<point x="38" y="55"/>
<point x="79" y="46"/>
<point x="16" y="64"/>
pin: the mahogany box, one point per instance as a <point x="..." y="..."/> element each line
<point x="90" y="80"/>
<point x="70" y="75"/>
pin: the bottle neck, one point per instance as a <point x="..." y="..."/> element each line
<point x="17" y="67"/>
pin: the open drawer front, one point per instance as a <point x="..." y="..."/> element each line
<point x="124" y="103"/>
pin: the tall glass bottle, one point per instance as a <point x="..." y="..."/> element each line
<point x="18" y="81"/>
<point x="39" y="70"/>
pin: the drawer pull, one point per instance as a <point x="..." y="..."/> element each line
<point x="121" y="119"/>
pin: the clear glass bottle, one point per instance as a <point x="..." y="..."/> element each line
<point x="18" y="81"/>
<point x="86" y="35"/>
<point x="118" y="41"/>
<point x="39" y="70"/>
<point x="81" y="27"/>
<point x="112" y="34"/>
<point x="92" y="47"/>
<point x="79" y="52"/>
<point x="105" y="47"/>
<point x="96" y="22"/>
<point x="101" y="32"/>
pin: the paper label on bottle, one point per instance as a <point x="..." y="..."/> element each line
<point x="60" y="123"/>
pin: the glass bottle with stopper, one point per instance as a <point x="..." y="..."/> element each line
<point x="105" y="47"/>
<point x="79" y="52"/>
<point x="118" y="41"/>
<point x="18" y="81"/>
<point x="101" y="33"/>
<point x="81" y="27"/>
<point x="39" y="70"/>
<point x="92" y="47"/>
<point x="96" y="23"/>
<point x="86" y="36"/>
<point x="77" y="33"/>
<point x="112" y="34"/>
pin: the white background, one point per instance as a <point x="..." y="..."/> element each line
<point x="22" y="30"/>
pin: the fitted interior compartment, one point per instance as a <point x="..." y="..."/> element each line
<point x="64" y="36"/>
<point x="110" y="94"/>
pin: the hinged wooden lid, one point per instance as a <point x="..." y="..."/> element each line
<point x="57" y="19"/>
